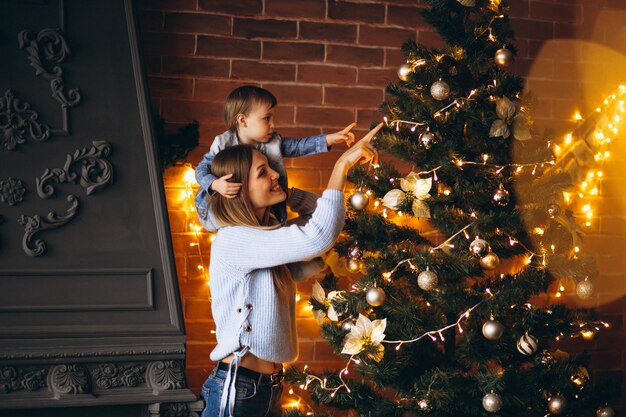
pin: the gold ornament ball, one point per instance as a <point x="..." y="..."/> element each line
<point x="527" y="344"/>
<point x="375" y="297"/>
<point x="585" y="289"/>
<point x="553" y="210"/>
<point x="493" y="329"/>
<point x="503" y="57"/>
<point x="557" y="404"/>
<point x="492" y="402"/>
<point x="490" y="261"/>
<point x="359" y="200"/>
<point x="588" y="335"/>
<point x="404" y="71"/>
<point x="353" y="265"/>
<point x="440" y="90"/>
<point x="427" y="280"/>
<point x="605" y="412"/>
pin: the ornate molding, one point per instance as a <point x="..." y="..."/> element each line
<point x="92" y="170"/>
<point x="68" y="379"/>
<point x="166" y="375"/>
<point x="18" y="379"/>
<point x="19" y="122"/>
<point x="11" y="191"/>
<point x="110" y="375"/>
<point x="94" y="354"/>
<point x="45" y="51"/>
<point x="176" y="409"/>
<point x="36" y="224"/>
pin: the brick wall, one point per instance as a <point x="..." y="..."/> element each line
<point x="327" y="61"/>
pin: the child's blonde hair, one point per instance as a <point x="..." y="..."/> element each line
<point x="241" y="100"/>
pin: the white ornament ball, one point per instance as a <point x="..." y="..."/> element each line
<point x="557" y="404"/>
<point x="347" y="324"/>
<point x="479" y="247"/>
<point x="503" y="57"/>
<point x="404" y="71"/>
<point x="427" y="139"/>
<point x="585" y="289"/>
<point x="493" y="329"/>
<point x="375" y="296"/>
<point x="492" y="402"/>
<point x="359" y="200"/>
<point x="605" y="412"/>
<point x="440" y="90"/>
<point x="490" y="261"/>
<point x="527" y="344"/>
<point x="427" y="280"/>
<point x="424" y="405"/>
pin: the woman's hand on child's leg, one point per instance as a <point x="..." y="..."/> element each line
<point x="225" y="188"/>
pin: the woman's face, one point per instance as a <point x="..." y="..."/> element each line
<point x="263" y="187"/>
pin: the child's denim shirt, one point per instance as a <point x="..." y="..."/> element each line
<point x="274" y="149"/>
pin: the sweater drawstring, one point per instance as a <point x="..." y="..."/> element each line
<point x="229" y="392"/>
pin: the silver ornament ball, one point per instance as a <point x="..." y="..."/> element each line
<point x="440" y="90"/>
<point x="353" y="265"/>
<point x="427" y="139"/>
<point x="427" y="280"/>
<point x="527" y="344"/>
<point x="359" y="200"/>
<point x="375" y="296"/>
<point x="501" y="197"/>
<point x="347" y="324"/>
<point x="493" y="329"/>
<point x="492" y="402"/>
<point x="490" y="261"/>
<point x="585" y="289"/>
<point x="557" y="404"/>
<point x="553" y="210"/>
<point x="605" y="412"/>
<point x="404" y="71"/>
<point x="424" y="405"/>
<point x="479" y="247"/>
<point x="503" y="57"/>
<point x="354" y="252"/>
<point x="467" y="3"/>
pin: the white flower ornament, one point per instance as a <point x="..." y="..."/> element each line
<point x="366" y="334"/>
<point x="419" y="187"/>
<point x="320" y="296"/>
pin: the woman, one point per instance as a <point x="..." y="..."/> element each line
<point x="253" y="268"/>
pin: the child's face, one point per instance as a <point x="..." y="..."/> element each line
<point x="258" y="125"/>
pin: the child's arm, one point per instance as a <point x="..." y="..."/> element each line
<point x="209" y="183"/>
<point x="293" y="147"/>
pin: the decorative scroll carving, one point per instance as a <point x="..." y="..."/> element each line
<point x="50" y="46"/>
<point x="68" y="379"/>
<point x="95" y="171"/>
<point x="94" y="354"/>
<point x="19" y="122"/>
<point x="17" y="379"/>
<point x="166" y="375"/>
<point x="35" y="224"/>
<point x="178" y="409"/>
<point x="110" y="375"/>
<point x="11" y="191"/>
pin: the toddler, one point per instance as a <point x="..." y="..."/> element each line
<point x="249" y="116"/>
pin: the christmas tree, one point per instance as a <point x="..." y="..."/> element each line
<point x="450" y="257"/>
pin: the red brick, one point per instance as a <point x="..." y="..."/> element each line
<point x="324" y="160"/>
<point x="537" y="68"/>
<point x="171" y="87"/>
<point x="361" y="97"/>
<point x="553" y="88"/>
<point x="228" y="47"/>
<point x="326" y="74"/>
<point x="293" y="51"/>
<point x="431" y="39"/>
<point x="295" y="93"/>
<point x="178" y="221"/>
<point x="194" y="289"/>
<point x="304" y="178"/>
<point x="354" y="55"/>
<point x="302" y="9"/>
<point x="187" y="111"/>
<point x="262" y="71"/>
<point x="613" y="225"/>
<point x="384" y="36"/>
<point x="394" y="58"/>
<point x="532" y="29"/>
<point x="577" y="31"/>
<point x="356" y="12"/>
<point x="215" y="90"/>
<point x="167" y="4"/>
<point x="197" y="23"/>
<point x="200" y="332"/>
<point x="181" y="270"/>
<point x="344" y="33"/>
<point x="150" y="20"/>
<point x="285" y="114"/>
<point x="196" y="66"/>
<point x="377" y="77"/>
<point x="410" y="17"/>
<point x="543" y="10"/>
<point x="323" y="352"/>
<point x="298" y="132"/>
<point x="323" y="116"/>
<point x="518" y="8"/>
<point x="168" y="44"/>
<point x="305" y="351"/>
<point x="365" y="117"/>
<point x="198" y="354"/>
<point x="265" y="28"/>
<point x="236" y="8"/>
<point x="197" y="309"/>
<point x="152" y="64"/>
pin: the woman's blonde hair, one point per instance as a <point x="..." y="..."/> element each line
<point x="239" y="211"/>
<point x="241" y="100"/>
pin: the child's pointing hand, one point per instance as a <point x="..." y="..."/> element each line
<point x="342" y="136"/>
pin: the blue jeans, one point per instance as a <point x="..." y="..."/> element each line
<point x="253" y="399"/>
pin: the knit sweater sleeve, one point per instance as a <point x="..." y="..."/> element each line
<point x="247" y="248"/>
